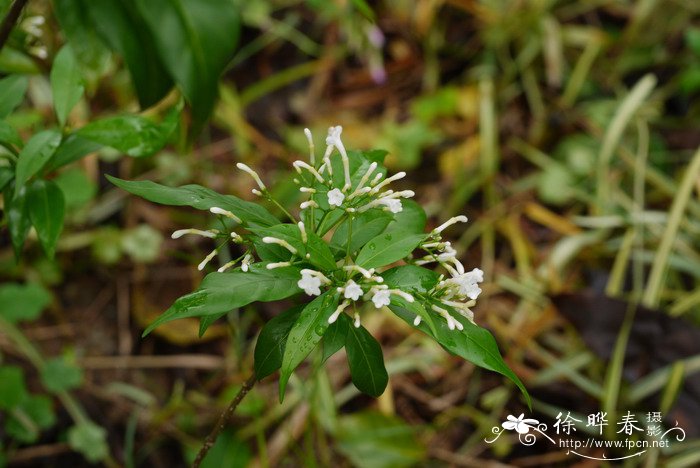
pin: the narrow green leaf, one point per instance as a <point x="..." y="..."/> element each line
<point x="475" y="344"/>
<point x="22" y="301"/>
<point x="197" y="197"/>
<point x="12" y="91"/>
<point x="132" y="134"/>
<point x="366" y="362"/>
<point x="387" y="248"/>
<point x="66" y="83"/>
<point x="334" y="338"/>
<point x="46" y="208"/>
<point x="305" y="335"/>
<point x="9" y="136"/>
<point x="17" y="216"/>
<point x="411" y="278"/>
<point x="269" y="348"/>
<point x="195" y="40"/>
<point x="222" y="292"/>
<point x="365" y="226"/>
<point x="35" y="155"/>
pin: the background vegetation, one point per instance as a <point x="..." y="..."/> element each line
<point x="567" y="132"/>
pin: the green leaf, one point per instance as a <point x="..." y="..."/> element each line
<point x="222" y="292"/>
<point x="319" y="253"/>
<point x="17" y="217"/>
<point x="411" y="278"/>
<point x="12" y="91"/>
<point x="35" y="155"/>
<point x="387" y="248"/>
<point x="6" y="176"/>
<point x="228" y="451"/>
<point x="76" y="24"/>
<point x="417" y="308"/>
<point x="58" y="375"/>
<point x="9" y="136"/>
<point x="374" y="440"/>
<point x="90" y="440"/>
<point x="269" y="348"/>
<point x="475" y="344"/>
<point x="66" y="83"/>
<point x="197" y="197"/>
<point x="195" y="40"/>
<point x="334" y="338"/>
<point x="78" y="189"/>
<point x="71" y="149"/>
<point x="12" y="388"/>
<point x="46" y="208"/>
<point x="365" y="226"/>
<point x="366" y="361"/>
<point x="305" y="335"/>
<point x="124" y="30"/>
<point x="22" y="301"/>
<point x="131" y="134"/>
<point x="410" y="220"/>
<point x="38" y="414"/>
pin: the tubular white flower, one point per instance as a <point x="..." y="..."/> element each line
<point x="307" y="190"/>
<point x="450" y="222"/>
<point x="317" y="274"/>
<point x="220" y="211"/>
<point x="352" y="290"/>
<point x="335" y="197"/>
<point x="462" y="308"/>
<point x="272" y="266"/>
<point x="245" y="264"/>
<point x="308" y="204"/>
<point x="365" y="273"/>
<point x="235" y="237"/>
<point x="417" y="320"/>
<point x="280" y="242"/>
<point x="310" y="283"/>
<point x="310" y="139"/>
<point x="299" y="165"/>
<point x="227" y="266"/>
<point x="381" y="298"/>
<point x="392" y="204"/>
<point x="257" y="192"/>
<point x="376" y="179"/>
<point x="356" y="322"/>
<point x="387" y="181"/>
<point x="302" y="230"/>
<point x="206" y="260"/>
<point x="363" y="181"/>
<point x="338" y="143"/>
<point x="451" y="322"/>
<point x="341" y="307"/>
<point x="402" y="294"/>
<point x="253" y="174"/>
<point x="211" y="233"/>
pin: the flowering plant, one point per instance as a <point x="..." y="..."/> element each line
<point x="356" y="246"/>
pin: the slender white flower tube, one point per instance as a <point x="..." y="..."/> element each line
<point x="299" y="165"/>
<point x="227" y="266"/>
<point x="363" y="181"/>
<point x="206" y="260"/>
<point x="417" y="320"/>
<point x="272" y="266"/>
<point x="235" y="237"/>
<point x="462" y="308"/>
<point x="451" y="322"/>
<point x="245" y="264"/>
<point x="450" y="222"/>
<point x="220" y="211"/>
<point x="365" y="273"/>
<point x="197" y="232"/>
<point x="376" y="179"/>
<point x="253" y="174"/>
<point x="402" y="294"/>
<point x="333" y="139"/>
<point x="308" y="204"/>
<point x="307" y="190"/>
<point x="302" y="230"/>
<point x="280" y="242"/>
<point x="257" y="192"/>
<point x="317" y="274"/>
<point x="341" y="307"/>
<point x="387" y="181"/>
<point x="310" y="139"/>
<point x="356" y="322"/>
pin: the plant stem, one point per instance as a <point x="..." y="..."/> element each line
<point x="8" y="23"/>
<point x="224" y="420"/>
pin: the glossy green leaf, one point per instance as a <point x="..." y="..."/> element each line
<point x="374" y="440"/>
<point x="416" y="308"/>
<point x="316" y="248"/>
<point x="475" y="344"/>
<point x="132" y="134"/>
<point x="222" y="292"/>
<point x="411" y="278"/>
<point x="90" y="440"/>
<point x="59" y="374"/>
<point x="410" y="220"/>
<point x="269" y="348"/>
<point x="71" y="149"/>
<point x="366" y="361"/>
<point x="197" y="197"/>
<point x="305" y="335"/>
<point x="12" y="388"/>
<point x="46" y="207"/>
<point x="12" y="90"/>
<point x="334" y="338"/>
<point x="22" y="301"/>
<point x="121" y="26"/>
<point x="195" y="39"/>
<point x="365" y="226"/>
<point x="35" y="155"/>
<point x="66" y="83"/>
<point x="387" y="248"/>
<point x="9" y="136"/>
<point x="17" y="217"/>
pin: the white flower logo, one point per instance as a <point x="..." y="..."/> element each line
<point x="521" y="425"/>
